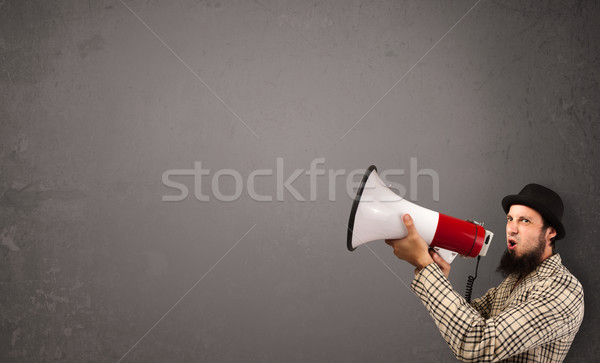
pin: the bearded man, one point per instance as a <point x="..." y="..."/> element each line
<point x="533" y="315"/>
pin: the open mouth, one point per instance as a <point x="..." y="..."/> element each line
<point x="511" y="244"/>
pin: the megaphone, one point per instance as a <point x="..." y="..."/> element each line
<point x="377" y="214"/>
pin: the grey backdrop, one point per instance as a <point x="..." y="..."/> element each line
<point x="100" y="98"/>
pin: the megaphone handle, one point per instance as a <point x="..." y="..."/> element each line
<point x="447" y="255"/>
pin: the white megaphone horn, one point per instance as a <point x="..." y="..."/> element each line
<point x="377" y="214"/>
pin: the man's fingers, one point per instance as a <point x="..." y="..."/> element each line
<point x="444" y="266"/>
<point x="410" y="225"/>
<point x="436" y="257"/>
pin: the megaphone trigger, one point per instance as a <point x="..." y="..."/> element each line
<point x="447" y="255"/>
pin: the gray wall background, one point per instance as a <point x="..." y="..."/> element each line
<point x="100" y="98"/>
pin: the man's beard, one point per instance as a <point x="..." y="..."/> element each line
<point x="524" y="265"/>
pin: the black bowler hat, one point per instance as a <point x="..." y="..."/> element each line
<point x="543" y="200"/>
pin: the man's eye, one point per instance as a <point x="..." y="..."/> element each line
<point x="525" y="220"/>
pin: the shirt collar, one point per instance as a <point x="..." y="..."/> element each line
<point x="542" y="271"/>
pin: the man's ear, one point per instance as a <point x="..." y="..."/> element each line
<point x="550" y="233"/>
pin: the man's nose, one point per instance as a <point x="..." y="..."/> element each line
<point x="511" y="228"/>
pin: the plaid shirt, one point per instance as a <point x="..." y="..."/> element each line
<point x="536" y="322"/>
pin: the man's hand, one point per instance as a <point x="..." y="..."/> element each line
<point x="444" y="266"/>
<point x="412" y="248"/>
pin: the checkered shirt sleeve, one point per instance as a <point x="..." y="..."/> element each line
<point x="535" y="323"/>
<point x="484" y="304"/>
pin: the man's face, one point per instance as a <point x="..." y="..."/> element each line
<point x="524" y="231"/>
<point x="527" y="241"/>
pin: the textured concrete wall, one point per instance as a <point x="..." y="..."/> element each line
<point x="101" y="98"/>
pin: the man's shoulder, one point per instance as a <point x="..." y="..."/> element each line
<point x="554" y="274"/>
<point x="552" y="266"/>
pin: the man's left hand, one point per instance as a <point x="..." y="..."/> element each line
<point x="412" y="248"/>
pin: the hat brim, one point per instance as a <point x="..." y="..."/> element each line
<point x="509" y="200"/>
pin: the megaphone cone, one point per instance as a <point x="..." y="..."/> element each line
<point x="377" y="211"/>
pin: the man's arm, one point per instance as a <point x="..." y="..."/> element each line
<point x="552" y="311"/>
<point x="483" y="305"/>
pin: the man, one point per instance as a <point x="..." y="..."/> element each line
<point x="533" y="315"/>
